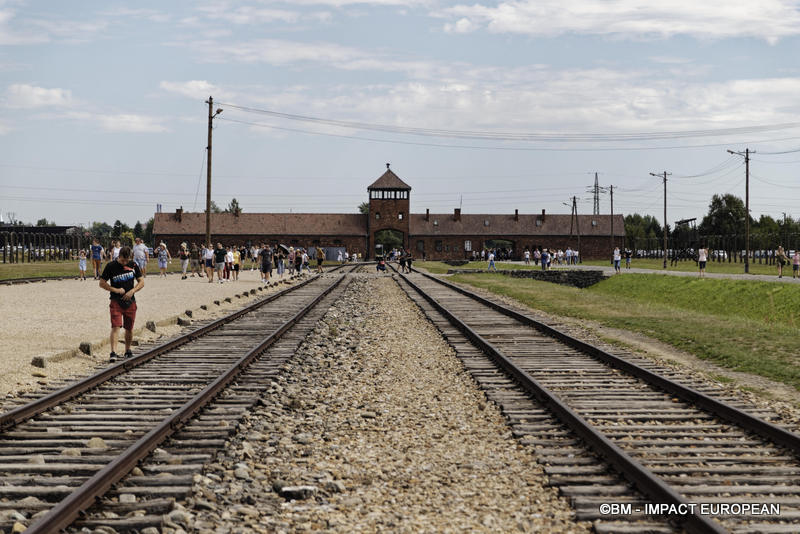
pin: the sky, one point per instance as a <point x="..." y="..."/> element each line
<point x="487" y="105"/>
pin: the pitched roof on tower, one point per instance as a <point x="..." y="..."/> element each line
<point x="389" y="180"/>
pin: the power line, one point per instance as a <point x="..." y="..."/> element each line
<point x="516" y="136"/>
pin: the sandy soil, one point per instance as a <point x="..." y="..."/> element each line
<point x="51" y="319"/>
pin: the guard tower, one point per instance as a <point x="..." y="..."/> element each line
<point x="389" y="200"/>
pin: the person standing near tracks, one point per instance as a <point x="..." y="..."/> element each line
<point x="140" y="255"/>
<point x="82" y="264"/>
<point x="162" y="253"/>
<point x="194" y="260"/>
<point x="183" y="255"/>
<point x="266" y="262"/>
<point x="702" y="259"/>
<point x="320" y="254"/>
<point x="237" y="258"/>
<point x="219" y="261"/>
<point x="491" y="261"/>
<point x="780" y="260"/>
<point x="122" y="278"/>
<point x="98" y="252"/>
<point x="208" y="261"/>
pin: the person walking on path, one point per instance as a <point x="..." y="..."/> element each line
<point x="82" y="264"/>
<point x="628" y="256"/>
<point x="163" y="258"/>
<point x="545" y="259"/>
<point x="780" y="260"/>
<point x="527" y="257"/>
<point x="617" y="259"/>
<point x="796" y="264"/>
<point x="320" y="258"/>
<point x="140" y="255"/>
<point x="122" y="279"/>
<point x="97" y="256"/>
<point x="491" y="262"/>
<point x="183" y="255"/>
<point x="702" y="258"/>
<point x="194" y="260"/>
<point x="228" y="263"/>
<point x="115" y="248"/>
<point x="266" y="263"/>
<point x="208" y="261"/>
<point x="280" y="261"/>
<point x="237" y="258"/>
<point x="219" y="261"/>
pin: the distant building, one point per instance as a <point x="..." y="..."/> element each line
<point x="436" y="236"/>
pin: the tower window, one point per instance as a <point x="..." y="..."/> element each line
<point x="377" y="215"/>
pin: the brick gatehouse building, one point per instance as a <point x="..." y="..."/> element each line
<point x="434" y="236"/>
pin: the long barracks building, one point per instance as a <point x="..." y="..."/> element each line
<point x="434" y="236"/>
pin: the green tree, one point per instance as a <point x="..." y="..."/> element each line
<point x="214" y="208"/>
<point x="148" y="231"/>
<point x="45" y="222"/>
<point x="726" y="216"/>
<point x="116" y="231"/>
<point x="101" y="229"/>
<point x="138" y="230"/>
<point x="126" y="238"/>
<point x="233" y="206"/>
<point x="642" y="226"/>
<point x="389" y="239"/>
<point x="363" y="208"/>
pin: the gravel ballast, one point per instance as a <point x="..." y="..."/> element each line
<point x="375" y="426"/>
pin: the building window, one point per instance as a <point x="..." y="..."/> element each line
<point x="594" y="223"/>
<point x="435" y="222"/>
<point x="438" y="245"/>
<point x="421" y="245"/>
<point x="486" y="222"/>
<point x="538" y="222"/>
<point x="400" y="216"/>
<point x="337" y="241"/>
<point x="377" y="215"/>
<point x="468" y="245"/>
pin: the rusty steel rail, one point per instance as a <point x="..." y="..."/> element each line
<point x="644" y="479"/>
<point x="65" y="512"/>
<point x="17" y="415"/>
<point x="765" y="429"/>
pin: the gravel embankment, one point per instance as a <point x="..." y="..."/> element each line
<point x="51" y="319"/>
<point x="378" y="428"/>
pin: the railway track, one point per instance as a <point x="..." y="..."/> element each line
<point x="632" y="449"/>
<point x="156" y="417"/>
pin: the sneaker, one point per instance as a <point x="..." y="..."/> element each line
<point x="113" y="357"/>
<point x="128" y="354"/>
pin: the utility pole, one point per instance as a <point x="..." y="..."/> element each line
<point x="665" y="212"/>
<point x="211" y="115"/>
<point x="746" y="155"/>
<point x="611" y="193"/>
<point x="574" y="219"/>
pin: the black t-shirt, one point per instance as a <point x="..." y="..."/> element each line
<point x="266" y="256"/>
<point x="219" y="255"/>
<point x="119" y="275"/>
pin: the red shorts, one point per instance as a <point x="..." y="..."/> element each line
<point x="120" y="316"/>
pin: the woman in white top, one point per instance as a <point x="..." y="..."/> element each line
<point x="702" y="258"/>
<point x="617" y="259"/>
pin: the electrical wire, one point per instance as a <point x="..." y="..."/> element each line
<point x="516" y="136"/>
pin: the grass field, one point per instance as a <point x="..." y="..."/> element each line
<point x="746" y="326"/>
<point x="691" y="266"/>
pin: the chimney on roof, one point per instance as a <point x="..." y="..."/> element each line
<point x="457" y="214"/>
<point x="542" y="215"/>
<point x="427" y="214"/>
<point x="179" y="214"/>
<point x="387" y="166"/>
<point x="516" y="214"/>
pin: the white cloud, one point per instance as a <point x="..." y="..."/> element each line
<point x="462" y="25"/>
<point x="116" y="122"/>
<point x="29" y="96"/>
<point x="767" y="19"/>
<point x="193" y="89"/>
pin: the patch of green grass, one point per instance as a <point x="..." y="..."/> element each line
<point x="691" y="266"/>
<point x="723" y="322"/>
<point x="12" y="271"/>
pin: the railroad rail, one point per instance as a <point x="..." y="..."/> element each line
<point x="63" y="452"/>
<point x="620" y="432"/>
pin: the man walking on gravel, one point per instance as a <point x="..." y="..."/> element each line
<point x="122" y="278"/>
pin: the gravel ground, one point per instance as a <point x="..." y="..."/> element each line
<point x="376" y="427"/>
<point x="53" y="318"/>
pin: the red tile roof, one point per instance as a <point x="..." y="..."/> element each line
<point x="389" y="180"/>
<point x="506" y="225"/>
<point x="262" y="224"/>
